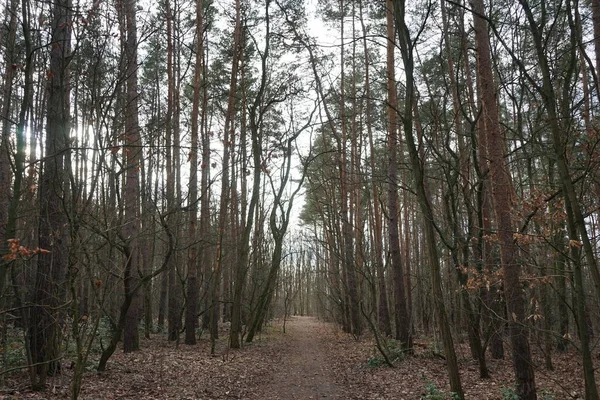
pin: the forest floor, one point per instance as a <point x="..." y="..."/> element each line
<point x="312" y="360"/>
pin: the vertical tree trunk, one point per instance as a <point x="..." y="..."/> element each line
<point x="596" y="25"/>
<point x="133" y="151"/>
<point x="349" y="267"/>
<point x="486" y="259"/>
<point x="5" y="144"/>
<point x="148" y="243"/>
<point x="53" y="235"/>
<point x="8" y="221"/>
<point x="355" y="213"/>
<point x="176" y="295"/>
<point x="191" y="316"/>
<point x="172" y="328"/>
<point x="204" y="252"/>
<point x="402" y="318"/>
<point x="239" y="280"/>
<point x="383" y="311"/>
<point x="559" y="270"/>
<point x="162" y="300"/>
<point x="474" y="334"/>
<point x="558" y="115"/>
<point x="501" y="182"/>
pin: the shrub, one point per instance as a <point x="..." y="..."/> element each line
<point x="508" y="394"/>
<point x="432" y="392"/>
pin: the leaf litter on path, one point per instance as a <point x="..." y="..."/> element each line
<point x="312" y="360"/>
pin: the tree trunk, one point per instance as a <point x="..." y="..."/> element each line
<point x="173" y="321"/>
<point x="162" y="300"/>
<point x="204" y="256"/>
<point x="8" y="221"/>
<point x="347" y="240"/>
<point x="193" y="296"/>
<point x="5" y="144"/>
<point x="576" y="223"/>
<point x="279" y="219"/>
<point x="383" y="311"/>
<point x="53" y="235"/>
<point x="133" y="151"/>
<point x="501" y="182"/>
<point x="559" y="269"/>
<point x="6" y="196"/>
<point x="406" y="47"/>
<point x="242" y="260"/>
<point x="474" y="335"/>
<point x="596" y="24"/>
<point x="402" y="319"/>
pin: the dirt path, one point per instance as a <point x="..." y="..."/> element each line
<point x="312" y="360"/>
<point x="305" y="369"/>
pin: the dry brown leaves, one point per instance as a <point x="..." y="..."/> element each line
<point x="161" y="371"/>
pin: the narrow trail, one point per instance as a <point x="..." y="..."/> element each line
<point x="304" y="369"/>
<point x="313" y="360"/>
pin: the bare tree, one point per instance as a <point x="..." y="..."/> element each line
<point x="53" y="231"/>
<point x="191" y="316"/>
<point x="502" y="189"/>
<point x="406" y="44"/>
<point x="402" y="317"/>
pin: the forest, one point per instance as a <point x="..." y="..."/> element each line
<point x="405" y="186"/>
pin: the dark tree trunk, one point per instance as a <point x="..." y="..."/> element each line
<point x="53" y="232"/>
<point x="133" y="151"/>
<point x="402" y="318"/>
<point x="501" y="182"/>
<point x="559" y="115"/>
<point x="406" y="44"/>
<point x="383" y="311"/>
<point x="191" y="312"/>
<point x="5" y="144"/>
<point x="242" y="257"/>
<point x="347" y="239"/>
<point x="596" y="24"/>
<point x="6" y="195"/>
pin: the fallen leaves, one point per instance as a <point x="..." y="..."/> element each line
<point x="324" y="359"/>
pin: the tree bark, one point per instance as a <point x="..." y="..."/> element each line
<point x="191" y="316"/>
<point x="53" y="232"/>
<point x="474" y="330"/>
<point x="349" y="267"/>
<point x="5" y="144"/>
<point x="402" y="319"/>
<point x="242" y="260"/>
<point x="558" y="116"/>
<point x="596" y="25"/>
<point x="173" y="191"/>
<point x="383" y="311"/>
<point x="406" y="44"/>
<point x="501" y="182"/>
<point x="133" y="151"/>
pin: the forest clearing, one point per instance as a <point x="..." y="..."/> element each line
<point x="312" y="360"/>
<point x="420" y="177"/>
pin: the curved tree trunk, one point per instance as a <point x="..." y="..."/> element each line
<point x="406" y="44"/>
